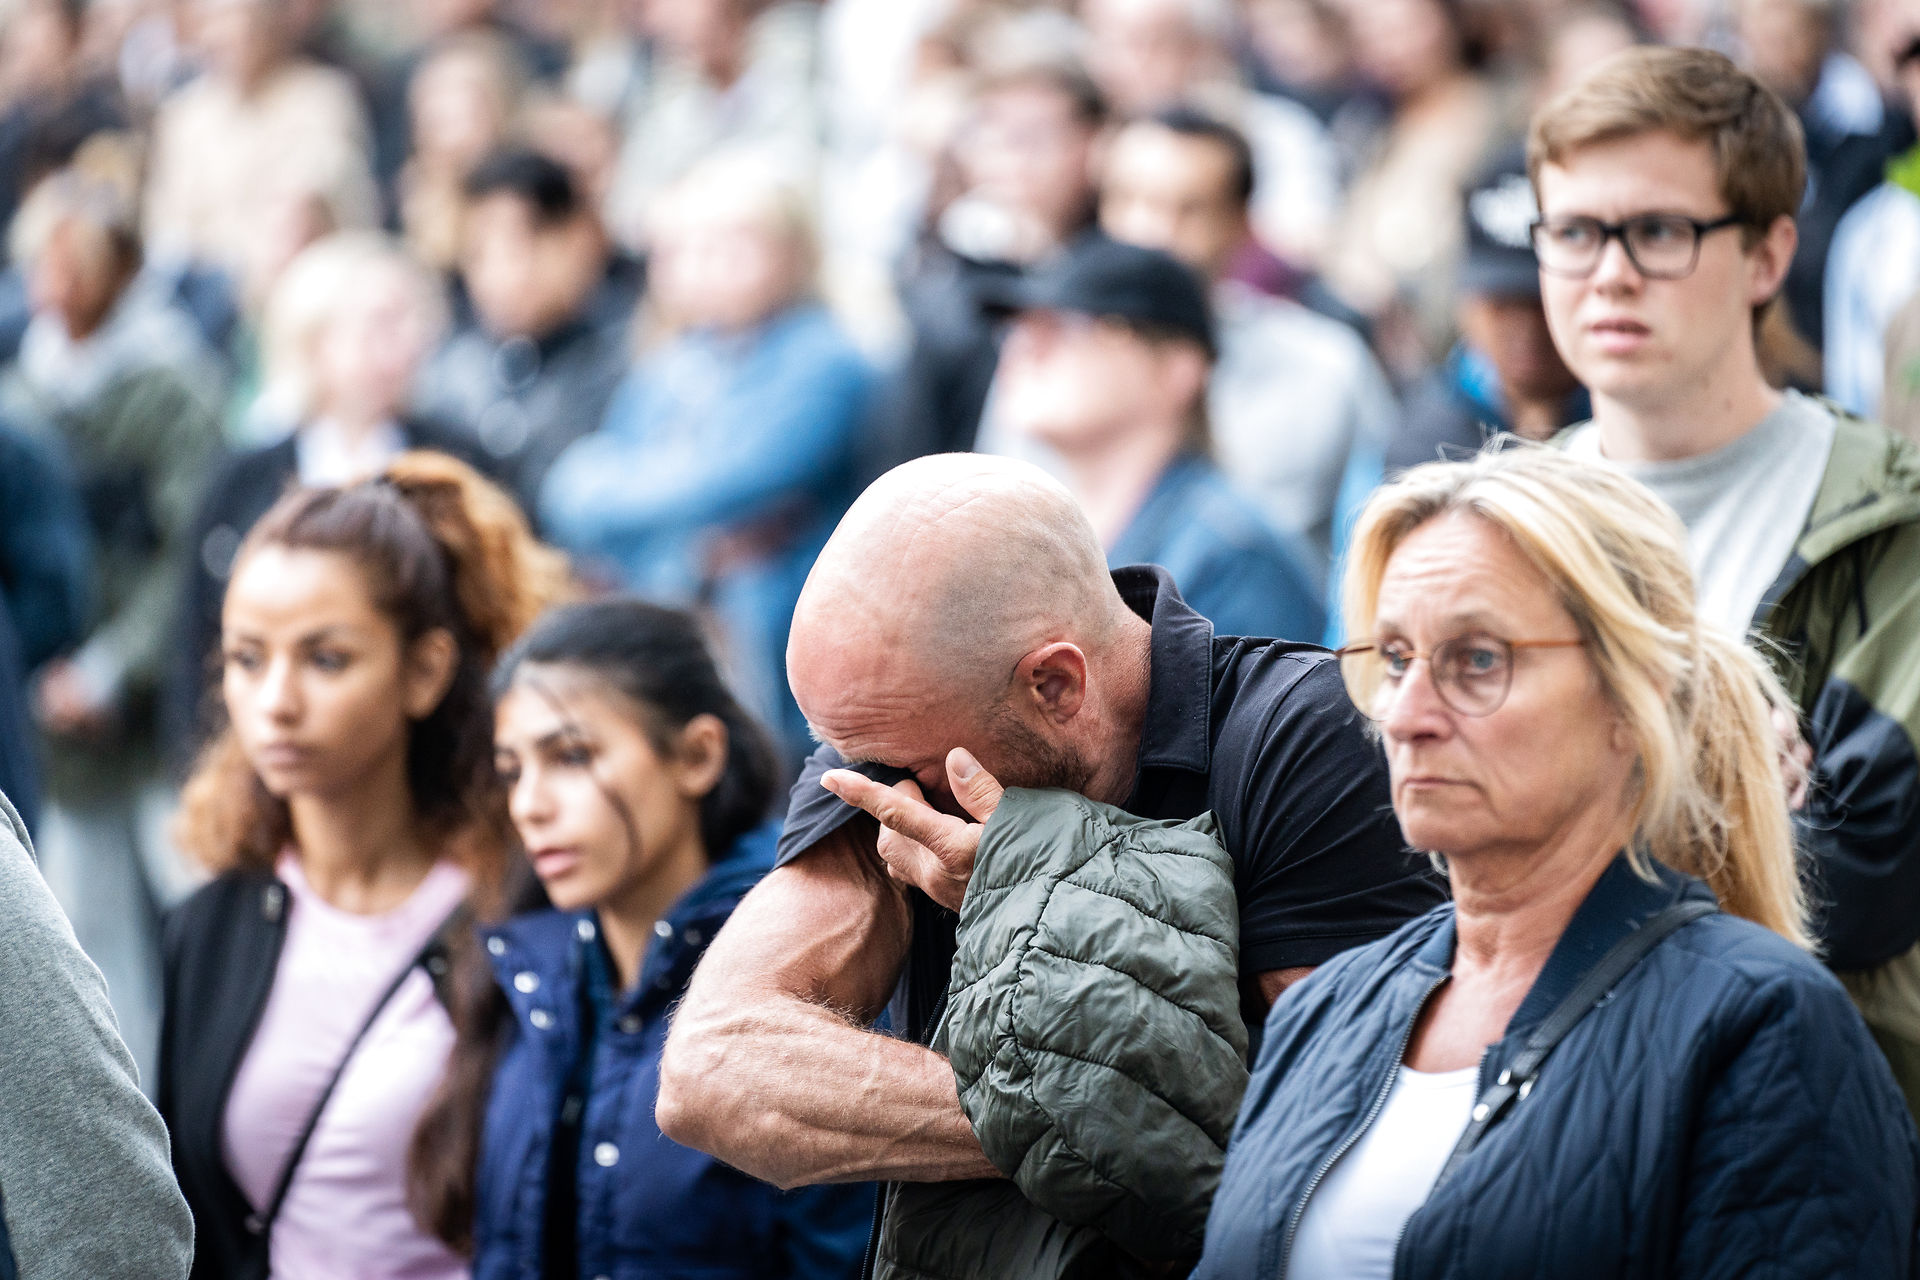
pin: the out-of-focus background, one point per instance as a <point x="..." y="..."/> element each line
<point x="682" y="275"/>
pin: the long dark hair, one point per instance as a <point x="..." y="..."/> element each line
<point x="657" y="660"/>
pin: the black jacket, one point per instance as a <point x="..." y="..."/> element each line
<point x="220" y="950"/>
<point x="244" y="487"/>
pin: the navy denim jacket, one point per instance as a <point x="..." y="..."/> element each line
<point x="647" y="1208"/>
<point x="1722" y="1112"/>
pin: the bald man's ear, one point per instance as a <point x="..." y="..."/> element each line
<point x="1054" y="677"/>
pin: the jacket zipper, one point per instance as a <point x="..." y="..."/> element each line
<point x="1373" y="1113"/>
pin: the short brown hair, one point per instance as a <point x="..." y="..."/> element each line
<point x="1698" y="95"/>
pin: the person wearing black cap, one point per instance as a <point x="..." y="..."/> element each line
<point x="1504" y="375"/>
<point x="1107" y="365"/>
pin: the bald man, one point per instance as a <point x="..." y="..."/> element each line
<point x="961" y="632"/>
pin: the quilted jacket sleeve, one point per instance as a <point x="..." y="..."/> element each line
<point x="1093" y="1015"/>
<point x="1801" y="1163"/>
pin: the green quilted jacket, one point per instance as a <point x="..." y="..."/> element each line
<point x="1093" y="1022"/>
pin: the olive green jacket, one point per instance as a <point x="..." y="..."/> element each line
<point x="1842" y="623"/>
<point x="1093" y="1022"/>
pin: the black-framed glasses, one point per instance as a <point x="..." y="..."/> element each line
<point x="1661" y="246"/>
<point x="1472" y="673"/>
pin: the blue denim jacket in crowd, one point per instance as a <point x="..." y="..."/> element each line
<point x="647" y="1208"/>
<point x="1232" y="566"/>
<point x="714" y="431"/>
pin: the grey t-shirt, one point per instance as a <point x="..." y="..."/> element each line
<point x="1744" y="504"/>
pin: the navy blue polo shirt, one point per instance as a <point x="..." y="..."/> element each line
<point x="1262" y="733"/>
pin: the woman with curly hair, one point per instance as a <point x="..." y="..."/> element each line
<point x="350" y="814"/>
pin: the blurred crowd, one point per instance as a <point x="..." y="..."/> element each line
<point x="683" y="275"/>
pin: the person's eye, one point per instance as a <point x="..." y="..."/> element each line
<point x="1395" y="659"/>
<point x="573" y="755"/>
<point x="331" y="661"/>
<point x="507" y="770"/>
<point x="242" y="659"/>
<point x="1479" y="659"/>
<point x="1661" y="233"/>
<point x="1571" y="235"/>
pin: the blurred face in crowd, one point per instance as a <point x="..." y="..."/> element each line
<point x="459" y="106"/>
<point x="285" y="222"/>
<point x="242" y="40"/>
<point x="1577" y="44"/>
<point x="1173" y="191"/>
<point x="1405" y="45"/>
<point x="708" y="33"/>
<point x="77" y="275"/>
<point x="1144" y="53"/>
<point x="1784" y="42"/>
<point x="599" y="806"/>
<point x="729" y="271"/>
<point x="37" y="49"/>
<point x="1548" y="760"/>
<point x="1639" y="341"/>
<point x="1080" y="383"/>
<point x="526" y="277"/>
<point x="367" y="353"/>
<point x="1304" y="42"/>
<point x="1512" y="332"/>
<point x="1028" y="151"/>
<point x="318" y="684"/>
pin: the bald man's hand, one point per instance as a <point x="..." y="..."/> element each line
<point x="922" y="847"/>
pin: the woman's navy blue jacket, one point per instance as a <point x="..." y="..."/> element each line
<point x="1723" y="1112"/>
<point x="647" y="1208"/>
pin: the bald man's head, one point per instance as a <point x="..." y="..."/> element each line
<point x="942" y="577"/>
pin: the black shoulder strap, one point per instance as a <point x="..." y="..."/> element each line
<point x="432" y="957"/>
<point x="1517" y="1080"/>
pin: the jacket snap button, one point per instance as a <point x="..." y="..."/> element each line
<point x="630" y="1024"/>
<point x="496" y="946"/>
<point x="1480" y="1112"/>
<point x="526" y="983"/>
<point x="693" y="937"/>
<point x="585" y="930"/>
<point x="255" y="1224"/>
<point x="661" y="929"/>
<point x="606" y="1155"/>
<point x="540" y="1018"/>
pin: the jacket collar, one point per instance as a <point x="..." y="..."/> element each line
<point x="1619" y="902"/>
<point x="1177" y="733"/>
<point x="552" y="944"/>
<point x="1872" y="483"/>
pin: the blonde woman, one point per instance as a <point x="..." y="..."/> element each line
<point x="346" y="329"/>
<point x="1611" y="1055"/>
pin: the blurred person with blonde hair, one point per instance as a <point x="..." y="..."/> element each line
<point x="349" y="323"/>
<point x="728" y="452"/>
<point x="256" y="113"/>
<point x="726" y="75"/>
<point x="463" y="104"/>
<point x="119" y="381"/>
<point x="1611" y="1054"/>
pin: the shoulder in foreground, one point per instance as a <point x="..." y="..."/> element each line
<point x="1737" y="951"/>
<point x="216" y="903"/>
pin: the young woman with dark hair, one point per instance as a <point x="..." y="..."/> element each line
<point x="351" y="816"/>
<point x="640" y="790"/>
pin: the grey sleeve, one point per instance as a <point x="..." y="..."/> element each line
<point x="86" y="1177"/>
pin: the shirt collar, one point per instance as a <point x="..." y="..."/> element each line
<point x="1177" y="731"/>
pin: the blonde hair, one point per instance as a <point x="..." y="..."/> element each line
<point x="1697" y="703"/>
<point x="309" y="295"/>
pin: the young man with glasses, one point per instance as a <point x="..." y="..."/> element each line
<point x="1667" y="184"/>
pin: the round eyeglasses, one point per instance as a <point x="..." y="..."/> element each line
<point x="1661" y="246"/>
<point x="1471" y="673"/>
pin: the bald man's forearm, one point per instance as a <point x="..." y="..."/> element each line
<point x="768" y="1065"/>
<point x="792" y="1095"/>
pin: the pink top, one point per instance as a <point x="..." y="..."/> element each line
<point x="345" y="1216"/>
